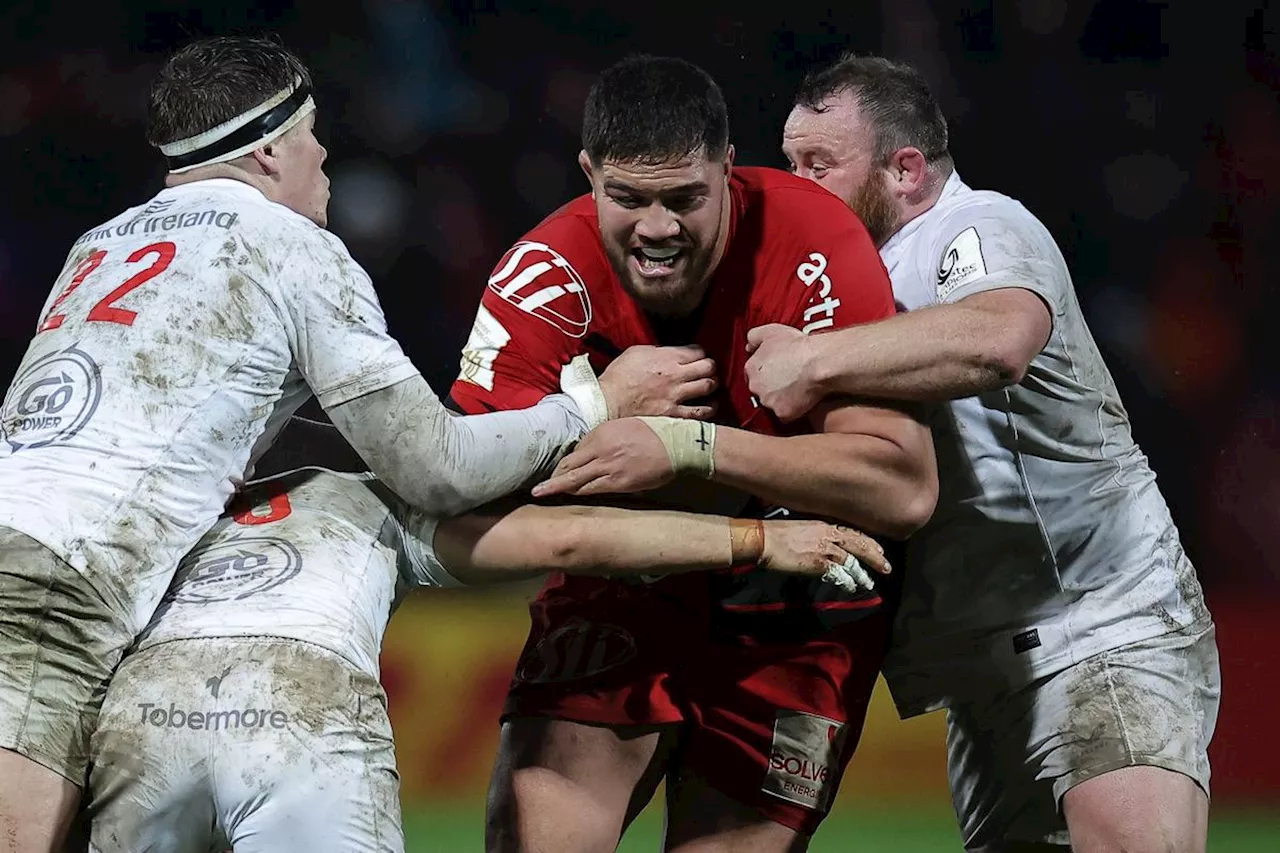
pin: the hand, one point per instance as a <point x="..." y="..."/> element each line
<point x="818" y="549"/>
<point x="648" y="380"/>
<point x="776" y="371"/>
<point x="616" y="457"/>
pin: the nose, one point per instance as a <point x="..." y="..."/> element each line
<point x="658" y="223"/>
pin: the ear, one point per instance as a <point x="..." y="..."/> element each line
<point x="266" y="159"/>
<point x="728" y="162"/>
<point x="908" y="170"/>
<point x="585" y="163"/>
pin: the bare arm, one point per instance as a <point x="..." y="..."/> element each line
<point x="443" y="464"/>
<point x="492" y="545"/>
<point x="871" y="467"/>
<point x="980" y="343"/>
<point x="942" y="352"/>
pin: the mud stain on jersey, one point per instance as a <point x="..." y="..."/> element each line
<point x="150" y="369"/>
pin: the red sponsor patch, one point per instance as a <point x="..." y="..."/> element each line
<point x="537" y="279"/>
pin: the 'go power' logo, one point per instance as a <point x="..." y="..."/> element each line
<point x="51" y="400"/>
<point x="235" y="569"/>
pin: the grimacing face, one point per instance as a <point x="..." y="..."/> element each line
<point x="835" y="149"/>
<point x="304" y="187"/>
<point x="663" y="226"/>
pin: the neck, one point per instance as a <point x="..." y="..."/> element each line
<point x="219" y="170"/>
<point x="722" y="238"/>
<point x="918" y="204"/>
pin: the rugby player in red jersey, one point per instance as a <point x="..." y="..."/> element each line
<point x="748" y="693"/>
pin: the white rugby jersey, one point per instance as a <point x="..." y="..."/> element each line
<point x="178" y="339"/>
<point x="1051" y="541"/>
<point x="310" y="555"/>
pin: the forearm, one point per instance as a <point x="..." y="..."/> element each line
<point x="942" y="352"/>
<point x="445" y="465"/>
<point x="532" y="539"/>
<point x="869" y="482"/>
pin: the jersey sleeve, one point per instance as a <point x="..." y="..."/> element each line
<point x="844" y="281"/>
<point x="990" y="247"/>
<point x="338" y="332"/>
<point x="532" y="319"/>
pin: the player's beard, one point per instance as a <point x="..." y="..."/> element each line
<point x="875" y="208"/>
<point x="677" y="295"/>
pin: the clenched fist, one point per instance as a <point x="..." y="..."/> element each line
<point x="660" y="381"/>
<point x="779" y="369"/>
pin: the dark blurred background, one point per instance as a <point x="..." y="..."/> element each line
<point x="1143" y="134"/>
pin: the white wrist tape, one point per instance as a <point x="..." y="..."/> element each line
<point x="690" y="445"/>
<point x="579" y="382"/>
<point x="419" y="533"/>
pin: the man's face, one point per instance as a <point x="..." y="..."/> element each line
<point x="303" y="186"/>
<point x="663" y="226"/>
<point x="835" y="149"/>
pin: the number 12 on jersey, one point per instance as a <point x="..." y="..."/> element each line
<point x="105" y="311"/>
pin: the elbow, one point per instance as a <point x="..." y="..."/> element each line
<point x="917" y="501"/>
<point x="917" y="511"/>
<point x="1001" y="366"/>
<point x="564" y="545"/>
<point x="1004" y="355"/>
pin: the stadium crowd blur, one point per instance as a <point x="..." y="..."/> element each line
<point x="1143" y="134"/>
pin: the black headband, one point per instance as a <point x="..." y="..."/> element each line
<point x="256" y="129"/>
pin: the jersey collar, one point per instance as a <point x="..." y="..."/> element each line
<point x="222" y="185"/>
<point x="953" y="186"/>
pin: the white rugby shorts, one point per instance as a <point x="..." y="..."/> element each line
<point x="1012" y="758"/>
<point x="261" y="744"/>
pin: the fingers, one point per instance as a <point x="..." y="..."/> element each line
<point x="760" y="334"/>
<point x="837" y="576"/>
<point x="576" y="458"/>
<point x="848" y="574"/>
<point x="864" y="548"/>
<point x="698" y="388"/>
<point x="702" y="368"/>
<point x="569" y="481"/>
<point x="694" y="413"/>
<point x="688" y="354"/>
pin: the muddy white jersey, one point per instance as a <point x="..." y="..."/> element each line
<point x="309" y="555"/>
<point x="177" y="340"/>
<point x="1051" y="541"/>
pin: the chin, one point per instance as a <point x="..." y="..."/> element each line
<point x="664" y="299"/>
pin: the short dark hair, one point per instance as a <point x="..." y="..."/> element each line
<point x="214" y="80"/>
<point x="892" y="95"/>
<point x="653" y="109"/>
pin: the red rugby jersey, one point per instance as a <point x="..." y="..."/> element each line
<point x="795" y="255"/>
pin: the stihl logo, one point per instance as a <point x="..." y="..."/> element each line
<point x="815" y="270"/>
<point x="535" y="278"/>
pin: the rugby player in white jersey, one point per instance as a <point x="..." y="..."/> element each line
<point x="1049" y="605"/>
<point x="249" y="714"/>
<point x="177" y="340"/>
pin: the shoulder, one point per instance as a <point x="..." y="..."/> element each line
<point x="550" y="272"/>
<point x="572" y="229"/>
<point x="787" y="215"/>
<point x="993" y="213"/>
<point x="792" y="204"/>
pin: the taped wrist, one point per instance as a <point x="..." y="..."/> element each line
<point x="690" y="445"/>
<point x="746" y="541"/>
<point x="418" y="531"/>
<point x="578" y="381"/>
